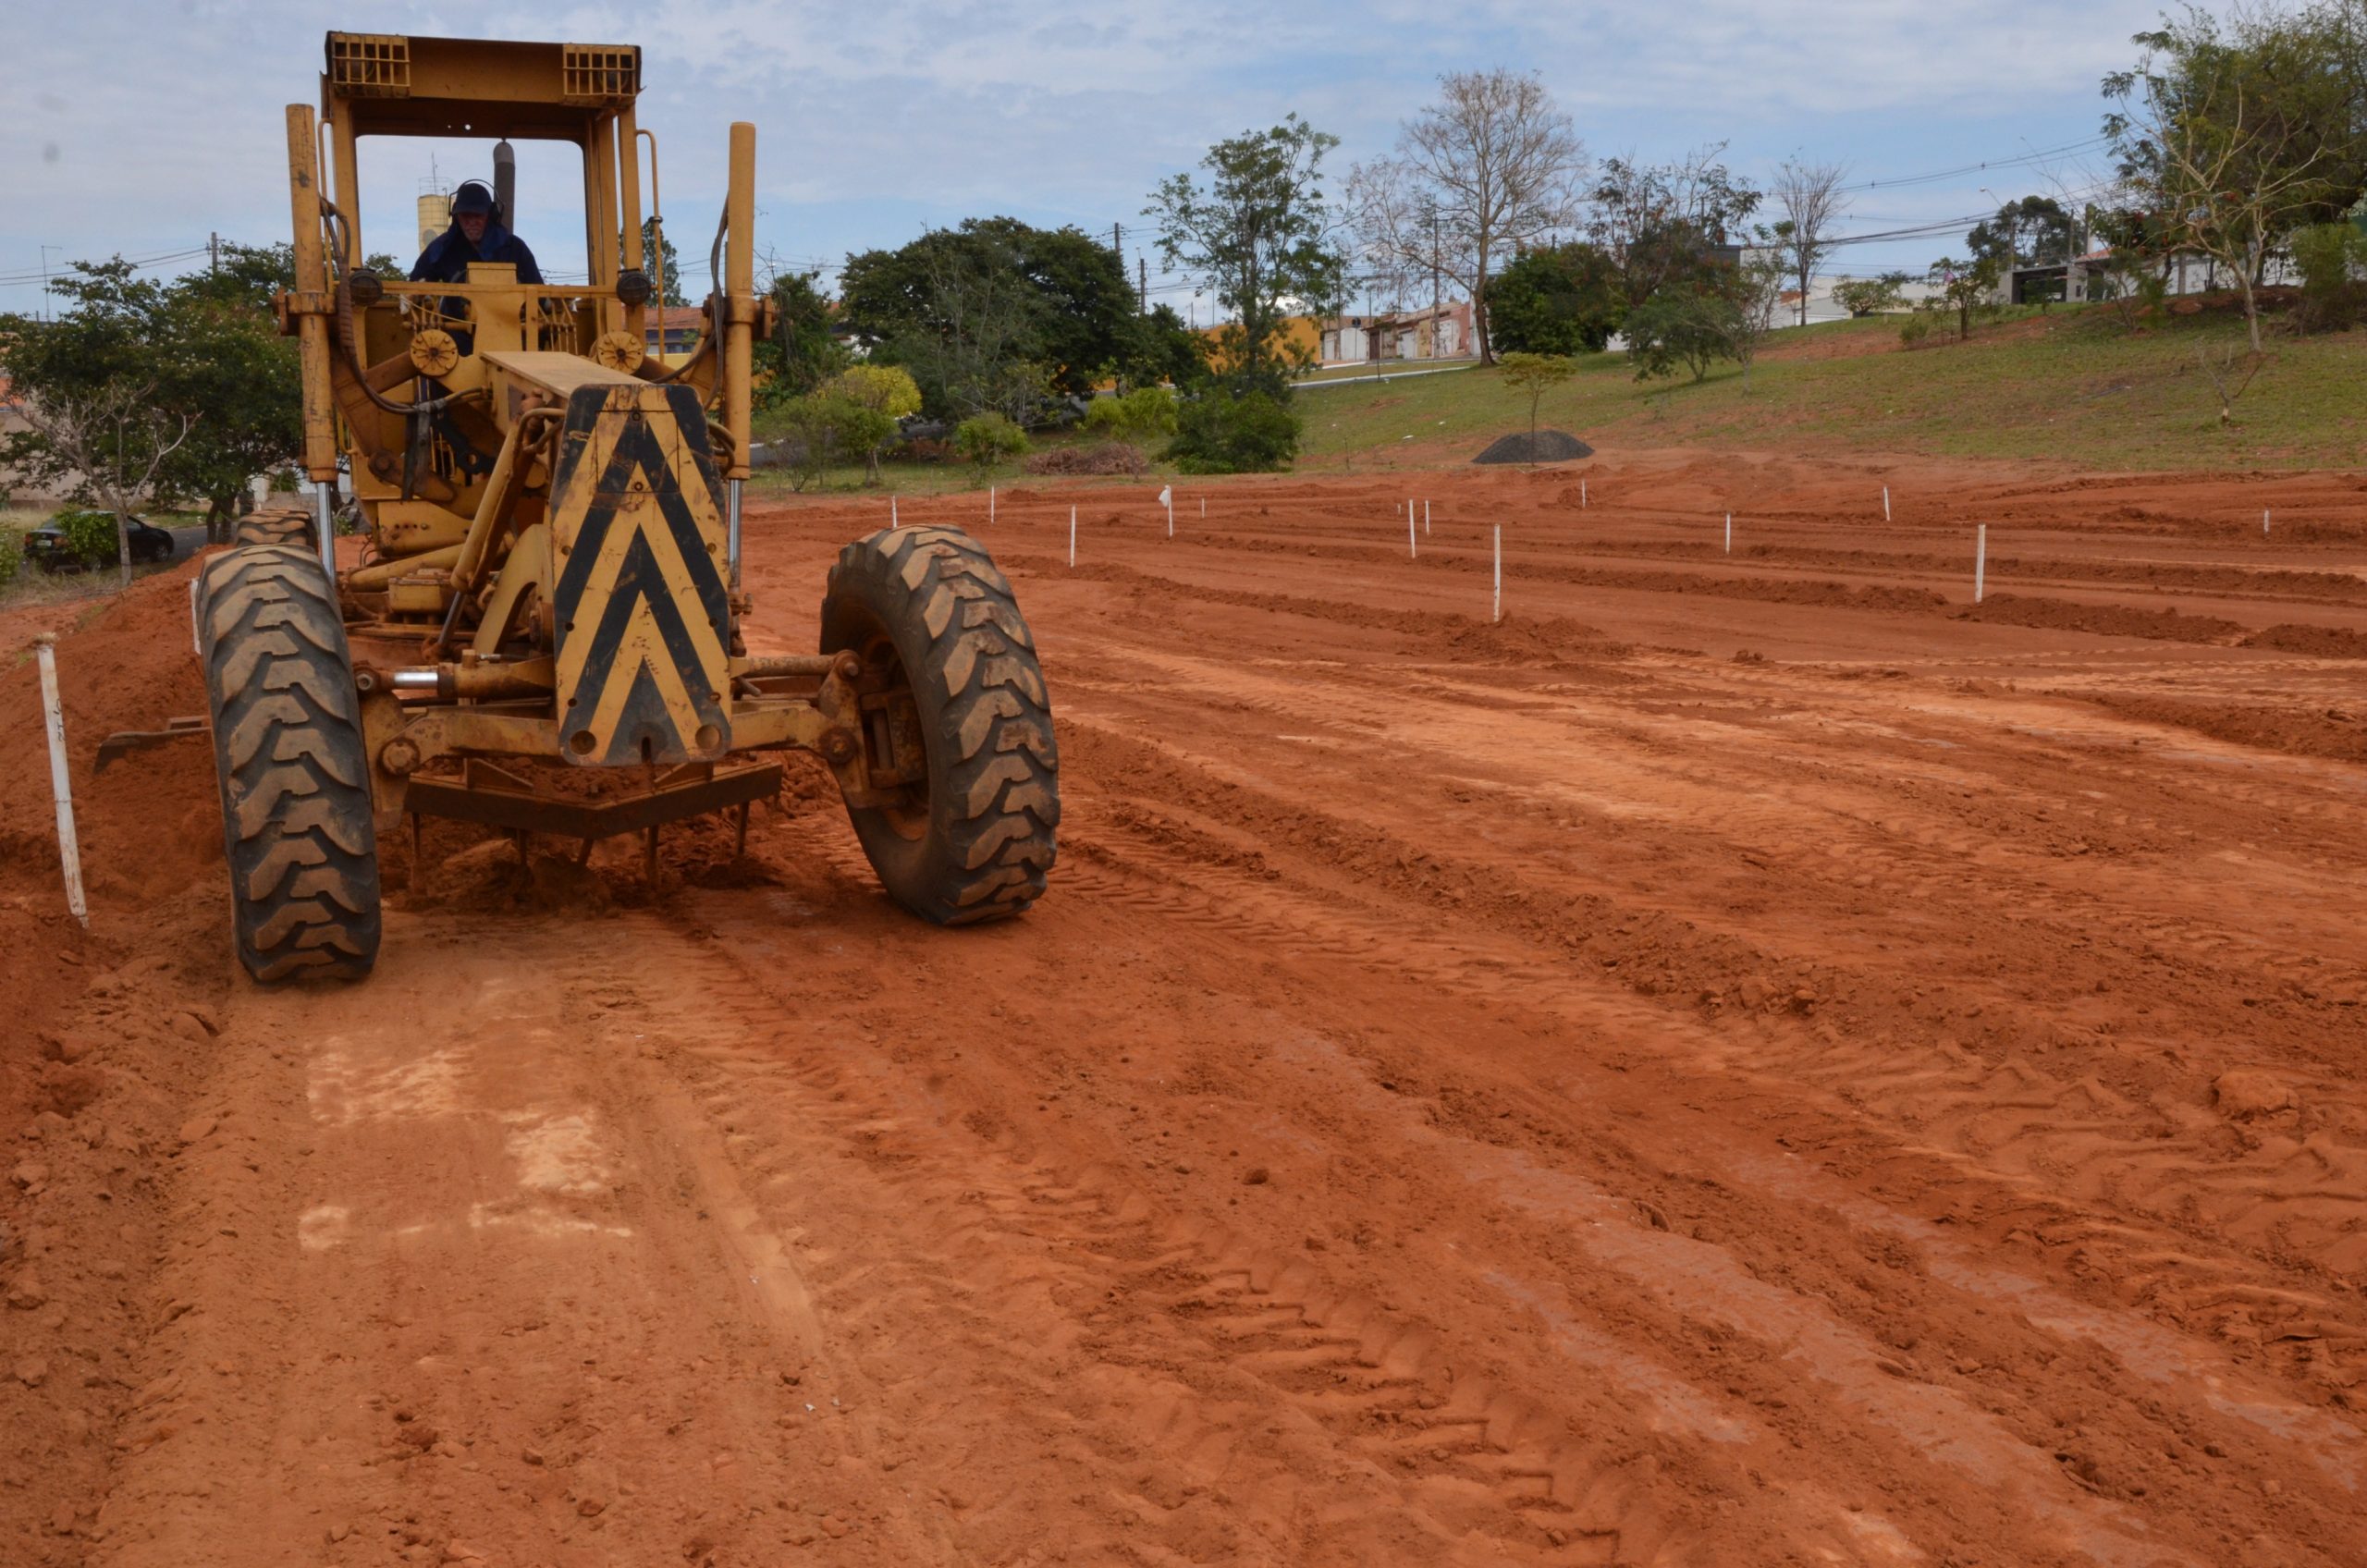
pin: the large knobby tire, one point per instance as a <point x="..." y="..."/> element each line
<point x="928" y="612"/>
<point x="294" y="771"/>
<point x="291" y="526"/>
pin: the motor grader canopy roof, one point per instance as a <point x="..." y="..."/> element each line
<point x="390" y="84"/>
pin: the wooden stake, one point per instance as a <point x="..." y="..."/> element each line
<point x="2263" y="522"/>
<point x="891" y="513"/>
<point x="1886" y="503"/>
<point x="1072" y="536"/>
<point x="1582" y="495"/>
<point x="1425" y="517"/>
<point x="1730" y="533"/>
<point x="1497" y="613"/>
<point x="1980" y="562"/>
<point x="70" y="849"/>
<point x="1410" y="541"/>
<point x="991" y="506"/>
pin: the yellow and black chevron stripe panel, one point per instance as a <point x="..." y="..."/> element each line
<point x="642" y="614"/>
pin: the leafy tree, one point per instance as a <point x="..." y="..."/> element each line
<point x="1225" y="431"/>
<point x="1667" y="223"/>
<point x="2034" y="232"/>
<point x="1536" y="375"/>
<point x="803" y="352"/>
<point x="986" y="439"/>
<point x="1167" y="350"/>
<point x="886" y="393"/>
<point x="996" y="290"/>
<point x="1556" y="300"/>
<point x="1681" y="329"/>
<point x="1872" y="296"/>
<point x="193" y="373"/>
<point x="2236" y="134"/>
<point x="1489" y="167"/>
<point x="1257" y="234"/>
<point x="664" y="266"/>
<point x="816" y="429"/>
<point x="1964" y="287"/>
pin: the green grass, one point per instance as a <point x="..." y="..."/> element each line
<point x="2070" y="386"/>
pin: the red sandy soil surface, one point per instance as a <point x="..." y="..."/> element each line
<point x="1749" y="1060"/>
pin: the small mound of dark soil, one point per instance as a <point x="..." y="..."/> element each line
<point x="1545" y="447"/>
<point x="2323" y="642"/>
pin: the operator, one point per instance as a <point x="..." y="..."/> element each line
<point x="476" y="234"/>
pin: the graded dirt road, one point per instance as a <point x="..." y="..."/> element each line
<point x="1750" y="1061"/>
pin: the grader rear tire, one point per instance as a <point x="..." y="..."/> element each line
<point x="975" y="840"/>
<point x="291" y="526"/>
<point x="294" y="772"/>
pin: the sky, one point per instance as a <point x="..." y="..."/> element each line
<point x="139" y="127"/>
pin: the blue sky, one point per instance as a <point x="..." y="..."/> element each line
<point x="138" y="127"/>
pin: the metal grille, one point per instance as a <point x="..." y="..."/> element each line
<point x="555" y="328"/>
<point x="590" y="74"/>
<point x="370" y="65"/>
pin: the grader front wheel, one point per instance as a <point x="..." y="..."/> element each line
<point x="294" y="773"/>
<point x="967" y="834"/>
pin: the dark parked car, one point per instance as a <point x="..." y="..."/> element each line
<point x="49" y="549"/>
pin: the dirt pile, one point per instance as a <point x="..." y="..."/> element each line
<point x="1543" y="446"/>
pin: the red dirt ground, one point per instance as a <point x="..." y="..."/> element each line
<point x="1750" y="1061"/>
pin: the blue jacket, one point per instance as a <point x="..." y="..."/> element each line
<point x="448" y="255"/>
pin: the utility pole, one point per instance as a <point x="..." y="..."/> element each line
<point x="47" y="248"/>
<point x="1436" y="299"/>
<point x="1142" y="286"/>
<point x="214" y="256"/>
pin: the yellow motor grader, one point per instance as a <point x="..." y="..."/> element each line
<point x="541" y="628"/>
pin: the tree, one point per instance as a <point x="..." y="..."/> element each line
<point x="203" y="352"/>
<point x="1811" y="200"/>
<point x="2034" y="232"/>
<point x="1662" y="223"/>
<point x="1870" y="295"/>
<point x="2236" y="135"/>
<point x="1964" y="287"/>
<point x="1536" y="375"/>
<point x="1165" y="350"/>
<point x="115" y="438"/>
<point x="986" y="439"/>
<point x="657" y="256"/>
<point x="1489" y="167"/>
<point x="888" y="394"/>
<point x="803" y="352"/>
<point x="1686" y="327"/>
<point x="1056" y="299"/>
<point x="1557" y="299"/>
<point x="1259" y="236"/>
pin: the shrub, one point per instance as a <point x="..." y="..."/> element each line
<point x="821" y="428"/>
<point x="90" y="535"/>
<point x="1870" y="295"/>
<point x="1916" y="330"/>
<point x="986" y="439"/>
<point x="1223" y="432"/>
<point x="1143" y="414"/>
<point x="2328" y="256"/>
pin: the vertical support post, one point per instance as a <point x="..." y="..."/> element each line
<point x="1582" y="495"/>
<point x="2263" y="522"/>
<point x="739" y="292"/>
<point x="1072" y="536"/>
<point x="69" y="852"/>
<point x="1426" y="516"/>
<point x="345" y="188"/>
<point x="991" y="506"/>
<point x="1497" y="612"/>
<point x="893" y="520"/>
<point x="1980" y="562"/>
<point x="311" y="291"/>
<point x="1886" y="503"/>
<point x="628" y="145"/>
<point x="1411" y="552"/>
<point x="1730" y="533"/>
<point x="731" y="530"/>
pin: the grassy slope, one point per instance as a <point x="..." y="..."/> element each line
<point x="2068" y="386"/>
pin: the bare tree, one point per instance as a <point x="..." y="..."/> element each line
<point x="117" y="439"/>
<point x="1490" y="168"/>
<point x="1812" y="203"/>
